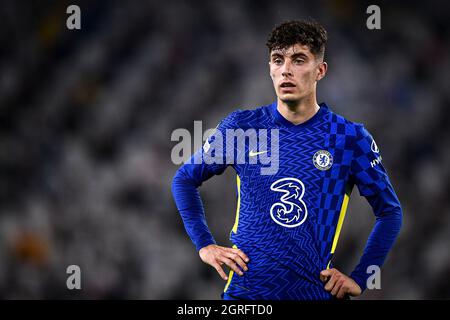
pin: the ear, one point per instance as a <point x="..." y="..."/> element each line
<point x="322" y="70"/>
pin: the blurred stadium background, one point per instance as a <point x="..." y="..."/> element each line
<point x="86" y="118"/>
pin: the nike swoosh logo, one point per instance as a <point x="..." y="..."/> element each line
<point x="253" y="153"/>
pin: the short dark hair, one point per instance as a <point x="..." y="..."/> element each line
<point x="304" y="32"/>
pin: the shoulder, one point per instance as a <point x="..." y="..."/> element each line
<point x="341" y="125"/>
<point x="247" y="117"/>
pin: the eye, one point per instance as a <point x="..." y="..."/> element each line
<point x="299" y="61"/>
<point x="278" y="61"/>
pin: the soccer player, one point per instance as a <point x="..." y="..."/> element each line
<point x="288" y="221"/>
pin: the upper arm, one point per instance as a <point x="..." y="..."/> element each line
<point x="367" y="170"/>
<point x="211" y="159"/>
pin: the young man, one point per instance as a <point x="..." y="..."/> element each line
<point x="288" y="220"/>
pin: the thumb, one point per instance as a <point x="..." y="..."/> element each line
<point x="324" y="274"/>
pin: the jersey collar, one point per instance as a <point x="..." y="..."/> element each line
<point x="279" y="119"/>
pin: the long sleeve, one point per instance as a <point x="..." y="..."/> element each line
<point x="388" y="214"/>
<point x="187" y="198"/>
<point x="205" y="163"/>
<point x="373" y="183"/>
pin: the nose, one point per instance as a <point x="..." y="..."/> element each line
<point x="286" y="74"/>
<point x="286" y="71"/>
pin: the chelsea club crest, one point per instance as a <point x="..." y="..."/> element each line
<point x="323" y="160"/>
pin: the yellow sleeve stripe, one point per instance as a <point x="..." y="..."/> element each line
<point x="342" y="213"/>
<point x="235" y="226"/>
<point x="236" y="222"/>
<point x="230" y="275"/>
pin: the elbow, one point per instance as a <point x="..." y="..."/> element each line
<point x="393" y="217"/>
<point x="177" y="180"/>
<point x="183" y="178"/>
<point x="400" y="214"/>
<point x="399" y="218"/>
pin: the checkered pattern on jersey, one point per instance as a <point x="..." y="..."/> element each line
<point x="339" y="142"/>
<point x="367" y="170"/>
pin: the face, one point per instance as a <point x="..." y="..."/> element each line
<point x="295" y="72"/>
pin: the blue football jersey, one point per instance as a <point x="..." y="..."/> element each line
<point x="289" y="219"/>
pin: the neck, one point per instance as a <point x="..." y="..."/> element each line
<point x="298" y="112"/>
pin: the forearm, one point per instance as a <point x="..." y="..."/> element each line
<point x="190" y="177"/>
<point x="189" y="204"/>
<point x="384" y="233"/>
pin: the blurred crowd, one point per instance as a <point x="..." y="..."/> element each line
<point x="86" y="119"/>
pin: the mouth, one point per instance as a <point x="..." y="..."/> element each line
<point x="287" y="86"/>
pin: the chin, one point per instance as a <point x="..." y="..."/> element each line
<point x="289" y="98"/>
